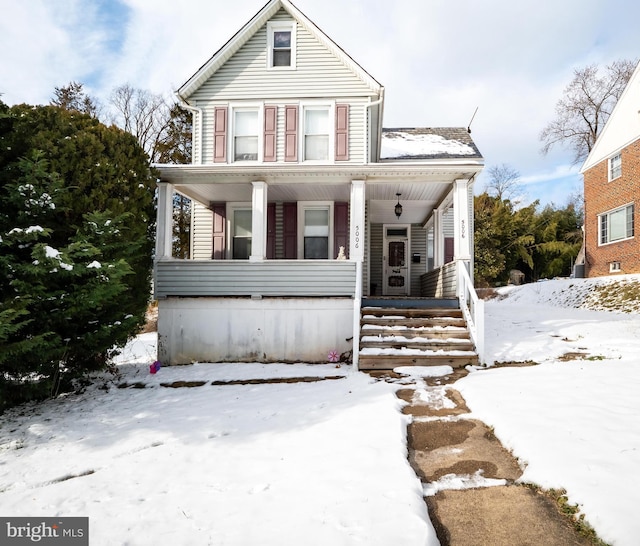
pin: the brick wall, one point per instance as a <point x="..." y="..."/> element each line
<point x="600" y="196"/>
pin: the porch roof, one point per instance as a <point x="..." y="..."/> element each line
<point x="434" y="170"/>
<point x="423" y="184"/>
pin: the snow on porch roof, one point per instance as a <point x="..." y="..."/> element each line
<point x="428" y="143"/>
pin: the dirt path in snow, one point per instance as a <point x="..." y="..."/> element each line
<point x="470" y="479"/>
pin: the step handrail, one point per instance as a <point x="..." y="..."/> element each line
<point x="472" y="308"/>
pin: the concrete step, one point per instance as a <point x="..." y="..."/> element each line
<point x="432" y="332"/>
<point x="389" y="362"/>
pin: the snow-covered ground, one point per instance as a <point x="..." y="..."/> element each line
<point x="315" y="463"/>
<point x="575" y="424"/>
<point x="325" y="463"/>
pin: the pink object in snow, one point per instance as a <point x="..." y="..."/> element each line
<point x="333" y="356"/>
<point x="154" y="367"/>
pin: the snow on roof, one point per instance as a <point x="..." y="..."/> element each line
<point x="427" y="143"/>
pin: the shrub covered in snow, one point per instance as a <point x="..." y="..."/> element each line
<point x="75" y="246"/>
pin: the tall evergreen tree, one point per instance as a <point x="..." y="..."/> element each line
<point x="76" y="238"/>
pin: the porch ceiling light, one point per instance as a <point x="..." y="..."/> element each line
<point x="398" y="207"/>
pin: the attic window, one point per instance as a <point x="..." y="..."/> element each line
<point x="281" y="38"/>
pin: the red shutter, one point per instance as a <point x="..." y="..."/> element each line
<point x="220" y="135"/>
<point x="219" y="228"/>
<point x="270" y="121"/>
<point x="291" y="133"/>
<point x="290" y="230"/>
<point x="271" y="231"/>
<point x="342" y="132"/>
<point x="448" y="249"/>
<point x="340" y="228"/>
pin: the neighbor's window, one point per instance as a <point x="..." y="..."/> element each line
<point x="617" y="224"/>
<point x="614" y="267"/>
<point x="282" y="40"/>
<point x="316" y="133"/>
<point x="615" y="167"/>
<point x="245" y="134"/>
<point x="241" y="241"/>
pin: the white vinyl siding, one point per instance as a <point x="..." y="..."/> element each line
<point x="318" y="72"/>
<point x="296" y="278"/>
<point x="357" y="129"/>
<point x="201" y="232"/>
<point x="245" y="78"/>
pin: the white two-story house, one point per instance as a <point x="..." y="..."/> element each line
<point x="303" y="204"/>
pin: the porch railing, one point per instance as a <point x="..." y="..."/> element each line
<point x="269" y="278"/>
<point x="472" y="308"/>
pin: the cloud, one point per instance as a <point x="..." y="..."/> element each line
<point x="438" y="60"/>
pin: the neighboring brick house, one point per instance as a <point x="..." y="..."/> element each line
<point x="612" y="190"/>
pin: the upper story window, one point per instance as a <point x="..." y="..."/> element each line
<point x="616" y="225"/>
<point x="246" y="131"/>
<point x="281" y="38"/>
<point x="317" y="132"/>
<point x="615" y="167"/>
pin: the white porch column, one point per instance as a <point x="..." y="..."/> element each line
<point x="356" y="253"/>
<point x="438" y="238"/>
<point x="258" y="221"/>
<point x="356" y="239"/>
<point x="462" y="242"/>
<point x="164" y="225"/>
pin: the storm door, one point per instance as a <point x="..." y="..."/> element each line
<point x="396" y="261"/>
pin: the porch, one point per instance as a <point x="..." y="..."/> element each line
<point x="272" y="237"/>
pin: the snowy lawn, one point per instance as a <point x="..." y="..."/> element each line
<point x="322" y="463"/>
<point x="325" y="463"/>
<point x="575" y="424"/>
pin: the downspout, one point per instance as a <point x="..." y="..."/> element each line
<point x="197" y="159"/>
<point x="357" y="303"/>
<point x="378" y="128"/>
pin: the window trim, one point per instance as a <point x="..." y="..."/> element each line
<point x="232" y="207"/>
<point x="615" y="267"/>
<point x="318" y="205"/>
<point x="279" y="26"/>
<point x="231" y="144"/>
<point x="607" y="214"/>
<point x="330" y="107"/>
<point x="618" y="168"/>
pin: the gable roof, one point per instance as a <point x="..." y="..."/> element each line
<point x="256" y="23"/>
<point x="622" y="127"/>
<point x="428" y="143"/>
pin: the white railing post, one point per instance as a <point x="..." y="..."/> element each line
<point x="357" y="305"/>
<point x="356" y="253"/>
<point x="472" y="308"/>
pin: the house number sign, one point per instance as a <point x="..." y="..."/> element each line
<point x="357" y="237"/>
<point x="462" y="229"/>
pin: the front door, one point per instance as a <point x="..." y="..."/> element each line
<point x="396" y="261"/>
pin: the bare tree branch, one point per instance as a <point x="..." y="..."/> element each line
<point x="585" y="107"/>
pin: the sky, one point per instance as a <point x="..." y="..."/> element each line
<point x="439" y="60"/>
